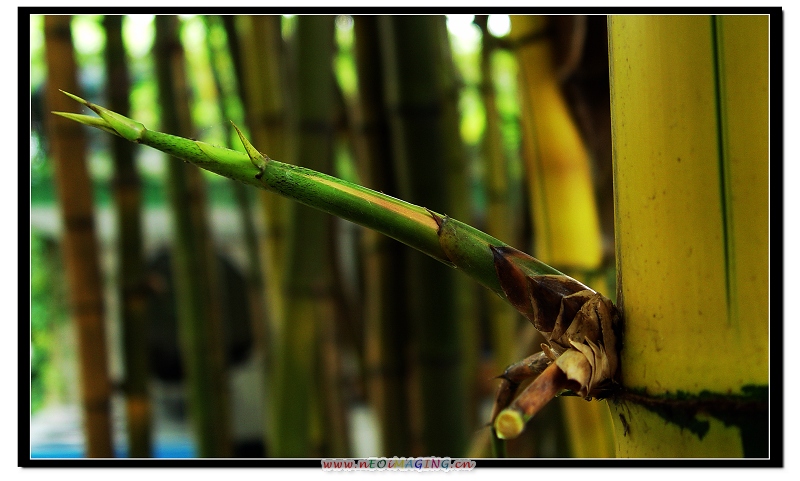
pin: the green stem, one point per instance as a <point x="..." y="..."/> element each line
<point x="447" y="240"/>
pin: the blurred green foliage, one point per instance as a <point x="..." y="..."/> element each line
<point x="48" y="314"/>
<point x="47" y="302"/>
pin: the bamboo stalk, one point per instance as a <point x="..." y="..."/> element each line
<point x="127" y="193"/>
<point x="417" y="98"/>
<point x="322" y="122"/>
<point x="254" y="277"/>
<point x="384" y="265"/>
<point x="255" y="46"/>
<point x="73" y="186"/>
<point x="690" y="99"/>
<point x="263" y="79"/>
<point x="343" y="336"/>
<point x="459" y="205"/>
<point x="565" y="219"/>
<point x="262" y="337"/>
<point x="194" y="263"/>
<point x="308" y="274"/>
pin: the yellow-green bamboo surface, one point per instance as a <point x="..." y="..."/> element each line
<point x="690" y="135"/>
<point x="263" y="74"/>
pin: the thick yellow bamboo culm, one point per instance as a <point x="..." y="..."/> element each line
<point x="565" y="220"/>
<point x="689" y="98"/>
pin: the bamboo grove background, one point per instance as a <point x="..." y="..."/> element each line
<point x="270" y="329"/>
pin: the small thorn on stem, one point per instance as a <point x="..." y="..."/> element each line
<point x="257" y="158"/>
<point x="437" y="218"/>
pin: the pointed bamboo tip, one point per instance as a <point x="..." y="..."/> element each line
<point x="84" y="119"/>
<point x="74" y="97"/>
<point x="69" y="115"/>
<point x="509" y="424"/>
<point x="110" y="121"/>
<point x="89" y="120"/>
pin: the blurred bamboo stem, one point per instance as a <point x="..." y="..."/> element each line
<point x="194" y="262"/>
<point x="73" y="187"/>
<point x="258" y="64"/>
<point x="308" y="271"/>
<point x="459" y="205"/>
<point x="417" y="98"/>
<point x="565" y="219"/>
<point x="263" y="80"/>
<point x="133" y="295"/>
<point x="255" y="278"/>
<point x="254" y="275"/>
<point x="504" y="321"/>
<point x="385" y="311"/>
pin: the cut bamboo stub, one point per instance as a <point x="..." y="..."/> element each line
<point x="511" y="421"/>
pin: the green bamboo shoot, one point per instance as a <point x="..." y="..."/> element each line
<point x="549" y="299"/>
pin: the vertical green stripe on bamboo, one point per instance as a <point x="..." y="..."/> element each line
<point x="744" y="93"/>
<point x="724" y="161"/>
